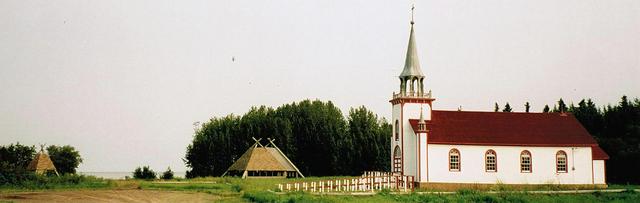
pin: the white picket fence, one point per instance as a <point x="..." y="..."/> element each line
<point x="370" y="181"/>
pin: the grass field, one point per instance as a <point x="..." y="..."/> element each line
<point x="261" y="190"/>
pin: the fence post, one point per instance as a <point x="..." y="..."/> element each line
<point x="280" y="187"/>
<point x="406" y="179"/>
<point x="373" y="184"/>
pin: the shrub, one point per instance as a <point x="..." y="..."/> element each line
<point x="144" y="173"/>
<point x="237" y="187"/>
<point x="167" y="175"/>
<point x="65" y="158"/>
<point x="261" y="196"/>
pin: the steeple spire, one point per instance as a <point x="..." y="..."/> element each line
<point x="411" y="72"/>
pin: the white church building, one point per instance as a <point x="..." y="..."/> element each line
<point x="457" y="148"/>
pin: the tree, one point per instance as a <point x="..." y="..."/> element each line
<point x="13" y="163"/>
<point x="312" y="134"/>
<point x="369" y="146"/>
<point x="496" y="108"/>
<point x="144" y="173"/>
<point x="507" y="108"/>
<point x="526" y="107"/>
<point x="167" y="175"/>
<point x="562" y="107"/>
<point x="65" y="158"/>
<point x="17" y="154"/>
<point x="546" y="109"/>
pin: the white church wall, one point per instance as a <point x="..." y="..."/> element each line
<point x="396" y="111"/>
<point x="412" y="111"/>
<point x="422" y="173"/>
<point x="410" y="153"/>
<point x="599" y="172"/>
<point x="508" y="165"/>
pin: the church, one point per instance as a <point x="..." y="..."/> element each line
<point x="449" y="149"/>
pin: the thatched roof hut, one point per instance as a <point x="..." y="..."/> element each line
<point x="263" y="161"/>
<point x="41" y="163"/>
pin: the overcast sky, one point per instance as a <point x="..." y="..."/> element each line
<point x="123" y="81"/>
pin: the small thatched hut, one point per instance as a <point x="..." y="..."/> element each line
<point x="263" y="161"/>
<point x="42" y="164"/>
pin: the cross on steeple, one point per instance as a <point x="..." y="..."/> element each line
<point x="413" y="7"/>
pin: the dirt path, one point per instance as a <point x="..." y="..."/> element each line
<point x="108" y="196"/>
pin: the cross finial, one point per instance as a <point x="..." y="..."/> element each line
<point x="413" y="7"/>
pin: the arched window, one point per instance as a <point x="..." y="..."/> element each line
<point x="454" y="160"/>
<point x="397" y="130"/>
<point x="397" y="160"/>
<point x="525" y="162"/>
<point x="561" y="162"/>
<point x="491" y="161"/>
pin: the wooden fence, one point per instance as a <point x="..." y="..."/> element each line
<point x="370" y="181"/>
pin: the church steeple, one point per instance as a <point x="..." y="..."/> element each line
<point x="411" y="74"/>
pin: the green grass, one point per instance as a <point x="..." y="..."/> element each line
<point x="261" y="190"/>
<point x="462" y="196"/>
<point x="58" y="183"/>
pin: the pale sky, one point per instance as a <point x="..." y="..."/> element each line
<point x="123" y="81"/>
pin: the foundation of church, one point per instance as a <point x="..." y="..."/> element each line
<point x="479" y="186"/>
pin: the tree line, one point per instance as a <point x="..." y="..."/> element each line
<point x="15" y="158"/>
<point x="315" y="135"/>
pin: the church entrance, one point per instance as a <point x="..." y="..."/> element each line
<point x="397" y="160"/>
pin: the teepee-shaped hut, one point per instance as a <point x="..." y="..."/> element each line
<point x="263" y="161"/>
<point x="42" y="164"/>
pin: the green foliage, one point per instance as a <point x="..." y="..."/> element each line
<point x="14" y="160"/>
<point x="496" y="108"/>
<point x="313" y="134"/>
<point x="546" y="109"/>
<point x="65" y="158"/>
<point x="32" y="182"/>
<point x="367" y="145"/>
<point x="144" y="173"/>
<point x="527" y="106"/>
<point x="167" y="175"/>
<point x="17" y="154"/>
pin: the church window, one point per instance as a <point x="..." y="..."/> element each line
<point x="490" y="159"/>
<point x="561" y="162"/>
<point x="397" y="160"/>
<point x="397" y="134"/>
<point x="454" y="160"/>
<point x="525" y="161"/>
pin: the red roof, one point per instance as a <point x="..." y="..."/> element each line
<point x="598" y="154"/>
<point x="507" y="129"/>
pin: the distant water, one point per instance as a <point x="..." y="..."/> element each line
<point x="121" y="175"/>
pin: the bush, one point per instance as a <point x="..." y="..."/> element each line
<point x="237" y="187"/>
<point x="261" y="196"/>
<point x="65" y="158"/>
<point x="32" y="181"/>
<point x="144" y="173"/>
<point x="167" y="175"/>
